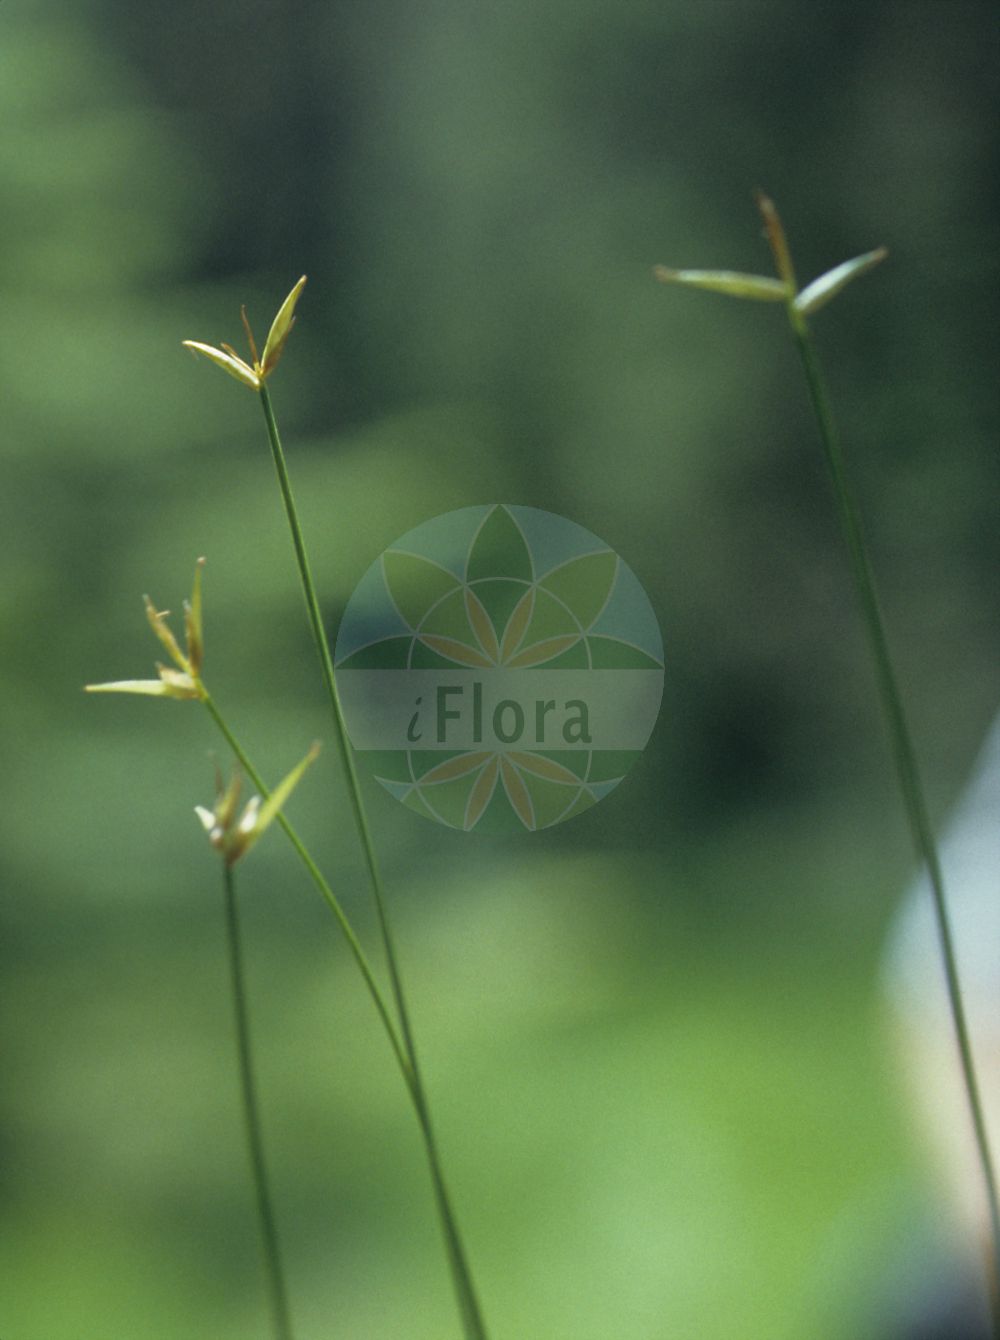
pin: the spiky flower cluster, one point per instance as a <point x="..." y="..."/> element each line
<point x="233" y="837"/>
<point x="184" y="681"/>
<point x="785" y="289"/>
<point x="255" y="373"/>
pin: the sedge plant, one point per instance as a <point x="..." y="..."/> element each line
<point x="799" y="305"/>
<point x="184" y="682"/>
<point x="255" y="374"/>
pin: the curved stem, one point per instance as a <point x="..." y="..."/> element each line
<point x="319" y="880"/>
<point x="461" y="1275"/>
<point x="277" y="1292"/>
<point x="904" y="756"/>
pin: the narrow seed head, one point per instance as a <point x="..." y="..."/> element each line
<point x="193" y="629"/>
<point x="158" y="623"/>
<point x="775" y="233"/>
<point x="251" y="342"/>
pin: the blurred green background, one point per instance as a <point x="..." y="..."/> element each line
<point x="653" y="1036"/>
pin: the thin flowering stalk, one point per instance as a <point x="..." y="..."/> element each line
<point x="274" y="1275"/>
<point x="799" y="305"/>
<point x="461" y="1273"/>
<point x="232" y="836"/>
<point x="254" y="375"/>
<point x="901" y="740"/>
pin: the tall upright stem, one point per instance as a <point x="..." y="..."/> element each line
<point x="274" y="1276"/>
<point x="905" y="760"/>
<point x="461" y="1274"/>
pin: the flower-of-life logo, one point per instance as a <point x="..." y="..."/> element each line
<point x="500" y="669"/>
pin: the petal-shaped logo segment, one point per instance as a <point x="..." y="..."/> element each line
<point x="546" y="650"/>
<point x="452" y="650"/>
<point x="499" y="550"/>
<point x="482" y="793"/>
<point x="584" y="584"/>
<point x="454" y="767"/>
<point x="517" y="625"/>
<point x="482" y="626"/>
<point x="546" y="768"/>
<point x="415" y="584"/>
<point x="517" y="793"/>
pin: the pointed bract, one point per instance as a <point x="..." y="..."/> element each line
<point x="827" y="286"/>
<point x="270" y="808"/>
<point x="758" y="287"/>
<point x="281" y="328"/>
<point x="229" y="362"/>
<point x="155" y="688"/>
<point x="176" y="687"/>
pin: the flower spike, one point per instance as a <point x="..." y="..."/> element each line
<point x="184" y="682"/>
<point x="775" y="232"/>
<point x="233" y="837"/>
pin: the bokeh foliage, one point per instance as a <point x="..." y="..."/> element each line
<point x="652" y="1036"/>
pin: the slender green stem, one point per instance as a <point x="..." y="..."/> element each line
<point x="277" y="1292"/>
<point x="904" y="755"/>
<point x="461" y="1274"/>
<point x="320" y="881"/>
